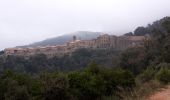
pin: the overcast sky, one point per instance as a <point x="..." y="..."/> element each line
<point x="26" y="21"/>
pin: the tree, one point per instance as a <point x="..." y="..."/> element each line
<point x="161" y="41"/>
<point x="95" y="82"/>
<point x="133" y="59"/>
<point x="140" y="31"/>
<point x="55" y="87"/>
<point x="16" y="92"/>
<point x="86" y="86"/>
<point x="1" y="52"/>
<point x="14" y="87"/>
<point x="128" y="34"/>
<point x="163" y="75"/>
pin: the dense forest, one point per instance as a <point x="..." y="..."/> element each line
<point x="91" y="74"/>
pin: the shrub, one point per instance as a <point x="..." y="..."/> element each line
<point x="147" y="75"/>
<point x="55" y="87"/>
<point x="133" y="59"/>
<point x="86" y="86"/>
<point x="163" y="75"/>
<point x="94" y="82"/>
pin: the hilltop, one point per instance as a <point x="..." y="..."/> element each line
<point x="82" y="35"/>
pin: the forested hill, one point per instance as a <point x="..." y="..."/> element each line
<point x="131" y="74"/>
<point x="83" y="35"/>
<point x="87" y="35"/>
<point x="149" y="29"/>
<point x="154" y="51"/>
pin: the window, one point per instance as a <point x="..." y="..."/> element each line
<point x="15" y="51"/>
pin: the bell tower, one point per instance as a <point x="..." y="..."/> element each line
<point x="74" y="38"/>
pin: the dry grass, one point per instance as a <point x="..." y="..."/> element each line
<point x="140" y="92"/>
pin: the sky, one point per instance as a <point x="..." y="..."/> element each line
<point x="27" y="21"/>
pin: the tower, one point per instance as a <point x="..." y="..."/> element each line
<point x="74" y="38"/>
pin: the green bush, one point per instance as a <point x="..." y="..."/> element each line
<point x="95" y="82"/>
<point x="14" y="86"/>
<point x="163" y="75"/>
<point x="92" y="83"/>
<point x="133" y="59"/>
<point x="147" y="75"/>
<point x="86" y="86"/>
<point x="55" y="86"/>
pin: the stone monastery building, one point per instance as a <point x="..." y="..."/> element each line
<point x="104" y="41"/>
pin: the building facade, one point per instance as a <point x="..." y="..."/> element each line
<point x="104" y="41"/>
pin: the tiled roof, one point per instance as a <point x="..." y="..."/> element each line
<point x="136" y="38"/>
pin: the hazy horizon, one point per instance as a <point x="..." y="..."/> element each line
<point x="26" y="21"/>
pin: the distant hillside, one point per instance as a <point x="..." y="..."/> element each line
<point x="149" y="29"/>
<point x="83" y="35"/>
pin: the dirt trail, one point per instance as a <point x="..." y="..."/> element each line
<point x="163" y="94"/>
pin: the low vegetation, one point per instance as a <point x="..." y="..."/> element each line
<point x="131" y="74"/>
<point x="92" y="83"/>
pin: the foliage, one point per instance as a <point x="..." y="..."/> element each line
<point x="133" y="59"/>
<point x="163" y="75"/>
<point x="14" y="86"/>
<point x="140" y="31"/>
<point x="77" y="60"/>
<point x="1" y="52"/>
<point x="95" y="82"/>
<point x="128" y="34"/>
<point x="91" y="83"/>
<point x="138" y="69"/>
<point x="147" y="75"/>
<point x="55" y="86"/>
